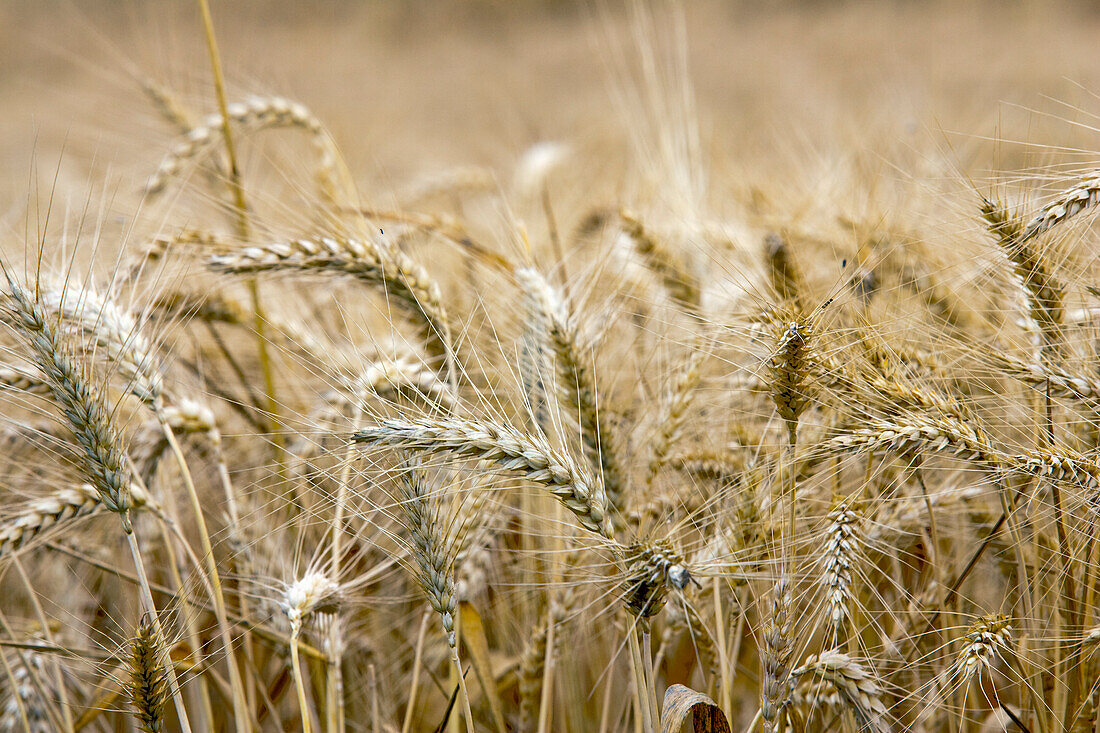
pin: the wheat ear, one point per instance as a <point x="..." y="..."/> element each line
<point x="96" y="435"/>
<point x="432" y="552"/>
<point x="253" y="115"/>
<point x="985" y="641"/>
<point x="912" y="432"/>
<point x="857" y="687"/>
<point x="840" y="553"/>
<point x="378" y="266"/>
<point x="1083" y="195"/>
<point x="653" y="568"/>
<point x="1081" y="387"/>
<point x="44" y="514"/>
<point x="576" y="384"/>
<point x="674" y="414"/>
<point x="508" y="448"/>
<point x="532" y="664"/>
<point x="777" y="650"/>
<point x="148" y="685"/>
<point x="1044" y="294"/>
<point x="84" y="408"/>
<point x="313" y="593"/>
<point x="680" y="284"/>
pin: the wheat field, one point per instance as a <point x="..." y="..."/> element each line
<point x="549" y="366"/>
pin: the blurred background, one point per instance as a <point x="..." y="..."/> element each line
<point x="407" y="87"/>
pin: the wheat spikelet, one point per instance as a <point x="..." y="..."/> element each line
<point x="253" y="115"/>
<point x="392" y="271"/>
<point x="1083" y="195"/>
<point x="84" y="409"/>
<point x="148" y="686"/>
<point x="857" y="687"/>
<point x="575" y="382"/>
<point x="506" y="447"/>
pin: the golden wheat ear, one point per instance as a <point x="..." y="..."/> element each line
<point x="509" y="449"/>
<point x="148" y="685"/>
<point x="83" y="406"/>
